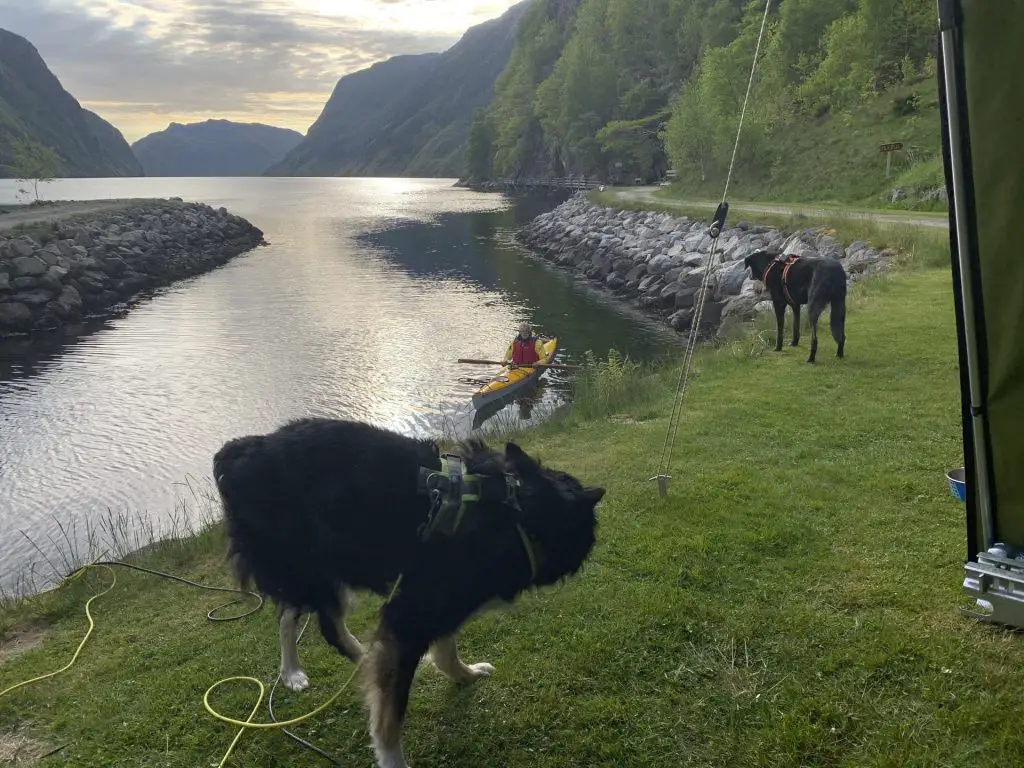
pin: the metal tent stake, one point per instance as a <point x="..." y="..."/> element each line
<point x="662" y="484"/>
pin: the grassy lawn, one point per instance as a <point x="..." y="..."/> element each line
<point x="794" y="602"/>
<point x="836" y="157"/>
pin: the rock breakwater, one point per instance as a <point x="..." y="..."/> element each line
<point x="57" y="273"/>
<point x="657" y="261"/>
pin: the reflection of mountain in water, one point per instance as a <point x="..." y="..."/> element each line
<point x="477" y="248"/>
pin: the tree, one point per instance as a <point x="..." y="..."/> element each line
<point x="33" y="163"/>
<point x="480" y="147"/>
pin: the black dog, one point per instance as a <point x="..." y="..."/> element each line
<point x="793" y="281"/>
<point x="321" y="507"/>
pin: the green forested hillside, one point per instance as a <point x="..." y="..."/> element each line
<point x="627" y="88"/>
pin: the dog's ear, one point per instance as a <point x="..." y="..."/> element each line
<point x="592" y="495"/>
<point x="518" y="462"/>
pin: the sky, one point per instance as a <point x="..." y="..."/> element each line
<point x="142" y="64"/>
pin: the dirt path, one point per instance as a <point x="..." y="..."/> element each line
<point x="23" y="214"/>
<point x="646" y="195"/>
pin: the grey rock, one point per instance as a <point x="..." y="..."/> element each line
<point x="22" y="246"/>
<point x="50" y="281"/>
<point x="15" y="316"/>
<point x="5" y="282"/>
<point x="897" y="195"/>
<point x="24" y="283"/>
<point x="50" y="255"/>
<point x="711" y="316"/>
<point x="859" y="245"/>
<point x="614" y="281"/>
<point x="731" y="278"/>
<point x="658" y="264"/>
<point x="66" y="248"/>
<point x="738" y="309"/>
<point x="681" y="320"/>
<point x="27" y="266"/>
<point x="114" y="266"/>
<point x="35" y="298"/>
<point x="686" y="297"/>
<point x="637" y="272"/>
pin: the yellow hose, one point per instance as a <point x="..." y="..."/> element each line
<point x="92" y="626"/>
<point x="242" y="725"/>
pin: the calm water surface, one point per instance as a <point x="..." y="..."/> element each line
<point x="367" y="293"/>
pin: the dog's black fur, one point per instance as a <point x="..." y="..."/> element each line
<point x="817" y="282"/>
<point x="323" y="506"/>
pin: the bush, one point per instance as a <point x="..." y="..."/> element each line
<point x="608" y="387"/>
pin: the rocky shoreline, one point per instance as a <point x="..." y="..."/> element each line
<point x="59" y="272"/>
<point x="656" y="261"/>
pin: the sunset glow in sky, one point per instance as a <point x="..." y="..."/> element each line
<point x="142" y="64"/>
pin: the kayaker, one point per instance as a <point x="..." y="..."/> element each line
<point x="525" y="348"/>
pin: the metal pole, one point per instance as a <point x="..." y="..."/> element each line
<point x="888" y="163"/>
<point x="978" y="420"/>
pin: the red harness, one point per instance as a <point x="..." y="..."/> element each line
<point x="787" y="264"/>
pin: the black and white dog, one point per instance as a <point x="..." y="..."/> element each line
<point x="321" y="508"/>
<point x="792" y="281"/>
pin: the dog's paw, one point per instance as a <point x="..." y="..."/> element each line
<point x="476" y="671"/>
<point x="295" y="680"/>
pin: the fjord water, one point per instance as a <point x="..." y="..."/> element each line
<point x="368" y="292"/>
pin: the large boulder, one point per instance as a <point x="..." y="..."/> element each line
<point x="15" y="316"/>
<point x="68" y="305"/>
<point x="28" y="266"/>
<point x="22" y="246"/>
<point x="35" y="298"/>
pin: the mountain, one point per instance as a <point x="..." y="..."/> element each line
<point x="214" y="148"/>
<point x="34" y="105"/>
<point x="622" y="89"/>
<point x="409" y="115"/>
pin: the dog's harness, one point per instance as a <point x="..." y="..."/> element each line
<point x="787" y="264"/>
<point x="453" y="492"/>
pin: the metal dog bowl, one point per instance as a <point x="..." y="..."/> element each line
<point x="957" y="483"/>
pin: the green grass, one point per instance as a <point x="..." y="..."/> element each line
<point x="794" y="602"/>
<point x="836" y="158"/>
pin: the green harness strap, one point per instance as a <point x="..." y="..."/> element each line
<point x="452" y="492"/>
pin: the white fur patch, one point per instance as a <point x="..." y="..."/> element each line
<point x="295" y="680"/>
<point x="389" y="758"/>
<point x="481" y="669"/>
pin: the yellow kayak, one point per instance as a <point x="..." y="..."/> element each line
<point x="510" y="380"/>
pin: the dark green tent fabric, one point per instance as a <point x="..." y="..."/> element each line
<point x="993" y="49"/>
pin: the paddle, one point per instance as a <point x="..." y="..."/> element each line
<point x="553" y="366"/>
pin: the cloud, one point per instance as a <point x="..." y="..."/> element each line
<point x="144" y="63"/>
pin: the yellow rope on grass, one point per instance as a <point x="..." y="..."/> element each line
<point x="243" y="725"/>
<point x="81" y="645"/>
<point x="248" y="724"/>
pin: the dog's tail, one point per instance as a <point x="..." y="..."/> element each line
<point x="233" y="466"/>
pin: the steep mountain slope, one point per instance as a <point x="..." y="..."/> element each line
<point x="214" y="148"/>
<point x="409" y="115"/>
<point x="618" y="88"/>
<point x="34" y="105"/>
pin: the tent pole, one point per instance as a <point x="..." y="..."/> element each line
<point x="950" y="50"/>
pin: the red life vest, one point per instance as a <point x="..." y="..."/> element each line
<point x="524" y="351"/>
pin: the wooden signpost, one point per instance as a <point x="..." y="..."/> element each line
<point x="888" y="149"/>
